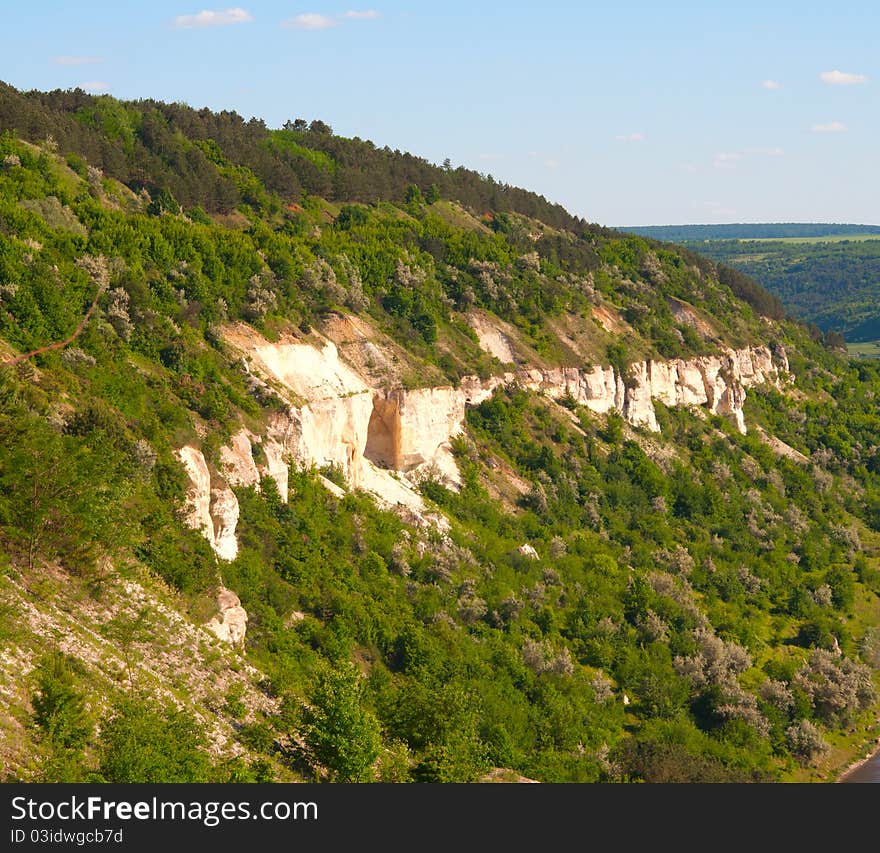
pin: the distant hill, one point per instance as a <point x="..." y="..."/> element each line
<point x="834" y="284"/>
<point x="827" y="273"/>
<point x="749" y="231"/>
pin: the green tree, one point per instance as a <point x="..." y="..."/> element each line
<point x="58" y="495"/>
<point x="142" y="742"/>
<point x="59" y="707"/>
<point x="61" y="716"/>
<point x="344" y="736"/>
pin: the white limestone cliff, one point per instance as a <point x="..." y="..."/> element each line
<point x="383" y="439"/>
<point x="239" y="467"/>
<point x="224" y="514"/>
<point x="198" y="495"/>
<point x="717" y="383"/>
<point x="211" y="509"/>
<point x="237" y="461"/>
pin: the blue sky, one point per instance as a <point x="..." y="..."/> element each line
<point x="625" y="113"/>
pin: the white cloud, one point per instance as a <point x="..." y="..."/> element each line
<point x="317" y="21"/>
<point x="771" y="84"/>
<point x="209" y="18"/>
<point x="551" y="164"/>
<point x="77" y="60"/>
<point x="310" y="21"/>
<point x="830" y="127"/>
<point x="842" y="78"/>
<point x="729" y="160"/>
<point x="630" y="137"/>
<point x="95" y="86"/>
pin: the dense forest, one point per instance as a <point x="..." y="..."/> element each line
<point x="605" y="603"/>
<point x="834" y="285"/>
<point x="205" y="158"/>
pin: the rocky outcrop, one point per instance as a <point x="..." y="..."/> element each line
<point x="382" y="439"/>
<point x="212" y="510"/>
<point x="230" y="623"/>
<point x="240" y="468"/>
<point x="237" y="461"/>
<point x="198" y="495"/>
<point x="411" y="429"/>
<point x="492" y="337"/>
<point x="224" y="514"/>
<point x="717" y="383"/>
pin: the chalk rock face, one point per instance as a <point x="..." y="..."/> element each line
<point x="276" y="466"/>
<point x="198" y="495"/>
<point x="230" y="624"/>
<point x="412" y="428"/>
<point x="384" y="438"/>
<point x="492" y="339"/>
<point x="715" y="382"/>
<point x="239" y="467"/>
<point x="638" y="406"/>
<point x="311" y="373"/>
<point x="331" y="431"/>
<point x="212" y="511"/>
<point x="422" y="421"/>
<point x="224" y="513"/>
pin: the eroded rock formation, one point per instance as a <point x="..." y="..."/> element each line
<point x="212" y="508"/>
<point x="230" y="623"/>
<point x="717" y="382"/>
<point x="384" y="439"/>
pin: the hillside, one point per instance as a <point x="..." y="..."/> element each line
<point x="825" y="274"/>
<point x="413" y="479"/>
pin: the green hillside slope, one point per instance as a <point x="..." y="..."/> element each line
<point x="640" y="592"/>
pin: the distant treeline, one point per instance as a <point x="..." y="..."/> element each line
<point x="749" y="231"/>
<point x="190" y="153"/>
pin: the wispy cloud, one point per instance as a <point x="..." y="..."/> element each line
<point x="729" y="160"/>
<point x="95" y="86"/>
<point x="773" y="85"/>
<point x="76" y="60"/>
<point x="317" y="21"/>
<point x="310" y="21"/>
<point x="842" y="78"/>
<point x="830" y="127"/>
<point x="630" y="137"/>
<point x="215" y="18"/>
<point x="551" y="163"/>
